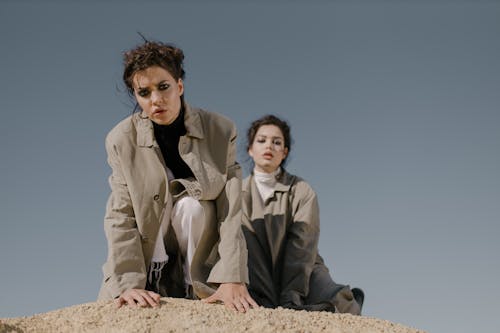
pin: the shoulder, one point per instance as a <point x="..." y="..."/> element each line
<point x="300" y="188"/>
<point x="123" y="133"/>
<point x="213" y="121"/>
<point x="216" y="117"/>
<point x="246" y="184"/>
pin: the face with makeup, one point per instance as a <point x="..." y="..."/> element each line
<point x="268" y="148"/>
<point x="158" y="94"/>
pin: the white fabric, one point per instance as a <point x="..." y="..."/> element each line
<point x="159" y="253"/>
<point x="187" y="217"/>
<point x="266" y="182"/>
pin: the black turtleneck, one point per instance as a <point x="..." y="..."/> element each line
<point x="167" y="137"/>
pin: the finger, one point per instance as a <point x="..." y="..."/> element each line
<point x="252" y="302"/>
<point x="156" y="297"/>
<point x="231" y="306"/>
<point x="149" y="300"/>
<point x="118" y="302"/>
<point x="245" y="304"/>
<point x="211" y="299"/>
<point x="140" y="300"/>
<point x="137" y="297"/>
<point x="239" y="306"/>
<point x="130" y="301"/>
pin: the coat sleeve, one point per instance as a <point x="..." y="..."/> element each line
<point x="301" y="246"/>
<point x="232" y="265"/>
<point x="125" y="266"/>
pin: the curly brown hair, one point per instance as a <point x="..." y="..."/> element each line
<point x="270" y="120"/>
<point x="151" y="53"/>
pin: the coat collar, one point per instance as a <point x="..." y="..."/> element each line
<point x="145" y="131"/>
<point x="192" y="121"/>
<point x="284" y="181"/>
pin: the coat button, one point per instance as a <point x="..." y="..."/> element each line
<point x="156" y="197"/>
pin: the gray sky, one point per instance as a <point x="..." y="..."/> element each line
<point x="395" y="114"/>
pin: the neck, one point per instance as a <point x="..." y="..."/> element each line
<point x="263" y="172"/>
<point x="174" y="129"/>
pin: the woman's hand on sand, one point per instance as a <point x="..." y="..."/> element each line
<point x="235" y="296"/>
<point x="138" y="297"/>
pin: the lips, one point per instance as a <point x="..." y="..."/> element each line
<point x="158" y="111"/>
<point x="267" y="155"/>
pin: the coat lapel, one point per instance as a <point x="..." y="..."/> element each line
<point x="192" y="121"/>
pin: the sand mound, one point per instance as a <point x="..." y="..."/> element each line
<point x="180" y="315"/>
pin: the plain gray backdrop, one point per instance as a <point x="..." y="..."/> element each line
<point x="395" y="114"/>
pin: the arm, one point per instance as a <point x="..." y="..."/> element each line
<point x="231" y="270"/>
<point x="232" y="265"/>
<point x="300" y="247"/>
<point x="125" y="269"/>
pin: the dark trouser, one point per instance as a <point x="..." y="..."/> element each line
<point x="324" y="293"/>
<point x="265" y="283"/>
<point x="171" y="282"/>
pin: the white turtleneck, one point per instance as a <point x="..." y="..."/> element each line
<point x="266" y="182"/>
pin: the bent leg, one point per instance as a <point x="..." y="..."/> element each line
<point x="187" y="219"/>
<point x="325" y="294"/>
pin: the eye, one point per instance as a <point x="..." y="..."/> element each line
<point x="143" y="92"/>
<point x="261" y="140"/>
<point x="163" y="86"/>
<point x="277" y="142"/>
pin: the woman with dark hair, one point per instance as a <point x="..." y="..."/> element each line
<point x="281" y="228"/>
<point x="173" y="219"/>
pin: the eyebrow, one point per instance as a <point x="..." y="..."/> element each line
<point x="161" y="82"/>
<point x="273" y="137"/>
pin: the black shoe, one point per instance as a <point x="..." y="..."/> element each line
<point x="359" y="296"/>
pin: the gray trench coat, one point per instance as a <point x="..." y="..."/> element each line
<point x="282" y="235"/>
<point x="139" y="188"/>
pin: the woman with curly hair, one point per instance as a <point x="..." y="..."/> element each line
<point x="173" y="218"/>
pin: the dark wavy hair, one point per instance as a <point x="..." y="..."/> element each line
<point x="270" y="120"/>
<point x="152" y="53"/>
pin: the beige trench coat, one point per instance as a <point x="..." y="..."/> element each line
<point x="139" y="188"/>
<point x="282" y="235"/>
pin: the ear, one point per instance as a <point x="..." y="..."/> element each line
<point x="285" y="152"/>
<point x="180" y="87"/>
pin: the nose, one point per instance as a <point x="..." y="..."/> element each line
<point x="156" y="97"/>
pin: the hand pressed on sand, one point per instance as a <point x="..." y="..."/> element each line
<point x="235" y="296"/>
<point x="138" y="297"/>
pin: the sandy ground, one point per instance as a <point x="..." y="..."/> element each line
<point x="180" y="315"/>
